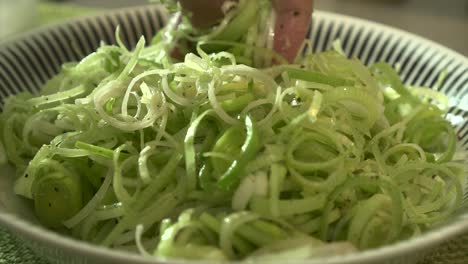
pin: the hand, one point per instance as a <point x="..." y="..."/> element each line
<point x="293" y="18"/>
<point x="204" y="13"/>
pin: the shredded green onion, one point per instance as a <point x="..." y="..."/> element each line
<point x="219" y="160"/>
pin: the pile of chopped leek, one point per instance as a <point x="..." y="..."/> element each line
<point x="210" y="158"/>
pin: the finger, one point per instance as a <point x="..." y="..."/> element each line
<point x="293" y="19"/>
<point x="204" y="13"/>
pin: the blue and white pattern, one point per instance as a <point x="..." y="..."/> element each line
<point x="30" y="60"/>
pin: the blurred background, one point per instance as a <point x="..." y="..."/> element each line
<point x="444" y="21"/>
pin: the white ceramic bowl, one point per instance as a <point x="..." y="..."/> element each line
<point x="28" y="61"/>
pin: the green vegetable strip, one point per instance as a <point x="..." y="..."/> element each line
<point x="228" y="228"/>
<point x="270" y="229"/>
<point x="313" y="225"/>
<point x="9" y="140"/>
<point x="309" y="76"/>
<point x="165" y="204"/>
<point x="87" y="209"/>
<point x="161" y="181"/>
<point x="223" y="43"/>
<point x="239" y="243"/>
<point x="358" y="102"/>
<point x="364" y="214"/>
<point x="160" y="209"/>
<point x="277" y="176"/>
<point x="289" y="207"/>
<point x="237" y="104"/>
<point x="233" y="175"/>
<point x="309" y="166"/>
<point x="120" y="192"/>
<point x="134" y="59"/>
<point x="451" y="145"/>
<point x="236" y="28"/>
<point x="60" y="96"/>
<point x="397" y="213"/>
<point x="190" y="162"/>
<point x="204" y="178"/>
<point x="226" y="149"/>
<point x="145" y="154"/>
<point x="255" y="236"/>
<point x="112" y="213"/>
<point x="386" y="74"/>
<point x="104" y="152"/>
<point x="3" y="156"/>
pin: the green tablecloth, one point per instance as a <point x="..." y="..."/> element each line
<point x="13" y="251"/>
